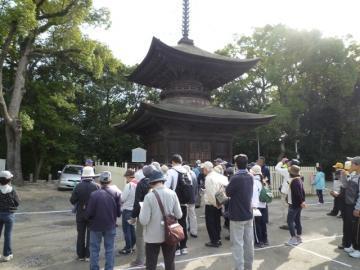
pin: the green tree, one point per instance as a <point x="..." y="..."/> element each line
<point x="33" y="31"/>
<point x="303" y="78"/>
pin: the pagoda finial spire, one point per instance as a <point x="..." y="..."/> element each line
<point x="186" y="23"/>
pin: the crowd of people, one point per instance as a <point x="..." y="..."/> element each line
<point x="239" y="192"/>
<point x="347" y="202"/>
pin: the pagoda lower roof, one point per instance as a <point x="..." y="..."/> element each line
<point x="164" y="64"/>
<point x="150" y="113"/>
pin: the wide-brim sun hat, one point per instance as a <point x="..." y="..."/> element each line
<point x="88" y="171"/>
<point x="256" y="170"/>
<point x="156" y="176"/>
<point x="294" y="170"/>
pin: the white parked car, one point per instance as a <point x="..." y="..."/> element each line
<point x="70" y="176"/>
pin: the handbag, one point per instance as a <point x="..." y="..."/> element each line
<point x="174" y="232"/>
<point x="266" y="195"/>
<point x="221" y="197"/>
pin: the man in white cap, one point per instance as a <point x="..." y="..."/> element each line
<point x="213" y="183"/>
<point x="9" y="201"/>
<point x="80" y="198"/>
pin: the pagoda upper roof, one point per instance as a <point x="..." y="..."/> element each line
<point x="150" y="114"/>
<point x="164" y="64"/>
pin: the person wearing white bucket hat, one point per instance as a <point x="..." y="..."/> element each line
<point x="80" y="198"/>
<point x="9" y="201"/>
<point x="260" y="229"/>
<point x="88" y="172"/>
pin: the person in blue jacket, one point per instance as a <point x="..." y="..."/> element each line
<point x="319" y="183"/>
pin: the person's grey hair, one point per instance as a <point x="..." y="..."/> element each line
<point x="208" y="166"/>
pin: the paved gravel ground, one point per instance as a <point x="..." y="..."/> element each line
<point x="47" y="240"/>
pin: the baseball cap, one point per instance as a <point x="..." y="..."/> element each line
<point x="105" y="177"/>
<point x="6" y="174"/>
<point x="355" y="160"/>
<point x="338" y="165"/>
<point x="295" y="161"/>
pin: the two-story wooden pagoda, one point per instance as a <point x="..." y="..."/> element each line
<point x="185" y="121"/>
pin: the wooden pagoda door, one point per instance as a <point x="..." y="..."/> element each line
<point x="199" y="150"/>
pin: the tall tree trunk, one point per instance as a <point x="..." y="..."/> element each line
<point x="13" y="157"/>
<point x="12" y="122"/>
<point x="38" y="166"/>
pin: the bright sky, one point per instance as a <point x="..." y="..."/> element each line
<point x="214" y="23"/>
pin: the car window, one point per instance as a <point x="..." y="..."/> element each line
<point x="73" y="170"/>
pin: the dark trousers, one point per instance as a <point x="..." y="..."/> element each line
<point x="320" y="195"/>
<point x="128" y="230"/>
<point x="182" y="222"/>
<point x="348" y="225"/>
<point x="83" y="239"/>
<point x="152" y="253"/>
<point x="260" y="230"/>
<point x="356" y="233"/>
<point x="294" y="221"/>
<point x="226" y="216"/>
<point x="213" y="223"/>
<point x="338" y="206"/>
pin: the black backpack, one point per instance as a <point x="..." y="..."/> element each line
<point x="184" y="189"/>
<point x="352" y="192"/>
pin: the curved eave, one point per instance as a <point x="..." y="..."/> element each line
<point x="163" y="63"/>
<point x="150" y="114"/>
